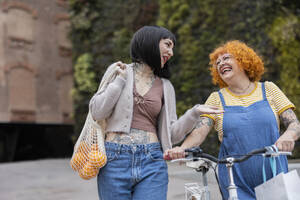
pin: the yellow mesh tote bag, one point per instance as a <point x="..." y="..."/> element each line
<point x="89" y="151"/>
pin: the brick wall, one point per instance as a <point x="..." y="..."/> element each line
<point x="35" y="62"/>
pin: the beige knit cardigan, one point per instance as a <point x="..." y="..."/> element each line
<point x="115" y="104"/>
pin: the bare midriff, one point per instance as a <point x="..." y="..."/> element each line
<point x="136" y="136"/>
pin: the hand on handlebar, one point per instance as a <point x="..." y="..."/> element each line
<point x="285" y="143"/>
<point x="174" y="153"/>
<point x="195" y="153"/>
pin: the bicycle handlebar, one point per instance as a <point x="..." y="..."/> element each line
<point x="196" y="153"/>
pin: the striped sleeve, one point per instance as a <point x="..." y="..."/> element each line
<point x="281" y="102"/>
<point x="213" y="100"/>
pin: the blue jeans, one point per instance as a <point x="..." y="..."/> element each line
<point x="136" y="172"/>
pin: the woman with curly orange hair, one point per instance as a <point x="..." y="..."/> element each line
<point x="253" y="111"/>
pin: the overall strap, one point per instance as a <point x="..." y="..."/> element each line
<point x="222" y="99"/>
<point x="263" y="90"/>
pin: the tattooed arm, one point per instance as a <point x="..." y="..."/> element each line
<point x="196" y="138"/>
<point x="286" y="141"/>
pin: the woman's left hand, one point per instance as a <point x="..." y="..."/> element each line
<point x="285" y="142"/>
<point x="206" y="109"/>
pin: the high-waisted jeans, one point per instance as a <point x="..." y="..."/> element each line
<point x="133" y="172"/>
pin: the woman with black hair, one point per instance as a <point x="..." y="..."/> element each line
<point x="139" y="106"/>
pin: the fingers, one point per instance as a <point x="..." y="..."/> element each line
<point x="174" y="153"/>
<point x="279" y="146"/>
<point x="213" y="107"/>
<point x="285" y="145"/>
<point x="285" y="142"/>
<point x="207" y="109"/>
<point x="121" y="65"/>
<point x="166" y="156"/>
<point x="217" y="109"/>
<point x="121" y="69"/>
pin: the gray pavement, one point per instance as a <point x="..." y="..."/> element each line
<point x="53" y="179"/>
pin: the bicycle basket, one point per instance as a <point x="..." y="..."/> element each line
<point x="193" y="191"/>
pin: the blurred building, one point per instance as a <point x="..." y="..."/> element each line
<point x="35" y="78"/>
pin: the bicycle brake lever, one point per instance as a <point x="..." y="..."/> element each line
<point x="194" y="150"/>
<point x="191" y="154"/>
<point x="287" y="153"/>
<point x="182" y="159"/>
<point x="273" y="151"/>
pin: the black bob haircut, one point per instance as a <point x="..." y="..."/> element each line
<point x="144" y="48"/>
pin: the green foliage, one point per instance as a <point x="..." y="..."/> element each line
<point x="285" y="34"/>
<point x="201" y="26"/>
<point x="83" y="75"/>
<point x="102" y="30"/>
<point x="85" y="86"/>
<point x="121" y="43"/>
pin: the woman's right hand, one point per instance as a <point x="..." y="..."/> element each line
<point x="206" y="109"/>
<point x="121" y="69"/>
<point x="174" y="153"/>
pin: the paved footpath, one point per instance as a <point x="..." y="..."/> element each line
<point x="53" y="179"/>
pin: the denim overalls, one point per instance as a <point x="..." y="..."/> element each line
<point x="246" y="129"/>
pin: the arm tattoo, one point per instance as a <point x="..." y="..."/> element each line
<point x="205" y="121"/>
<point x="288" y="117"/>
<point x="290" y="121"/>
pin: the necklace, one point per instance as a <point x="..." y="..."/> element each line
<point x="241" y="92"/>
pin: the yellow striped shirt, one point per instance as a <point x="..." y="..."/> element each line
<point x="276" y="98"/>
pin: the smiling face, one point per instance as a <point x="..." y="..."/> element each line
<point x="166" y="50"/>
<point x="228" y="67"/>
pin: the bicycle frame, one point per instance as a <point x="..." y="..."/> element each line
<point x="232" y="188"/>
<point x="203" y="168"/>
<point x="197" y="154"/>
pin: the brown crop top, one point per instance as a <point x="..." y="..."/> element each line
<point x="147" y="108"/>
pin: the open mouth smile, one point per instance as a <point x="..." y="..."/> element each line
<point x="165" y="59"/>
<point x="225" y="69"/>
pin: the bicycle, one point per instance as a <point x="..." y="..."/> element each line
<point x="194" y="192"/>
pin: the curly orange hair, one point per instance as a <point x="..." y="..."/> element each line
<point x="246" y="58"/>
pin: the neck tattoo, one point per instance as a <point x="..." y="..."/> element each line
<point x="142" y="74"/>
